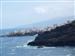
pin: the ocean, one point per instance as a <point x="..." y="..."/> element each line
<point x="17" y="46"/>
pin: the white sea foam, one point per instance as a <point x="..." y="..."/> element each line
<point x="68" y="55"/>
<point x="25" y="45"/>
<point x="49" y="47"/>
<point x="18" y="46"/>
<point x="29" y="41"/>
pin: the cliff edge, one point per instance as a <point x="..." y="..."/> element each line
<point x="60" y="36"/>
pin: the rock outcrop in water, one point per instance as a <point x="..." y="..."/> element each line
<point x="25" y="32"/>
<point x="13" y="34"/>
<point x="60" y="36"/>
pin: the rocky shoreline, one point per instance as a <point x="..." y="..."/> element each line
<point x="63" y="35"/>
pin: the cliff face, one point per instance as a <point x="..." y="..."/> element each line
<point x="60" y="36"/>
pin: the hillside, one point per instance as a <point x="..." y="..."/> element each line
<point x="60" y="36"/>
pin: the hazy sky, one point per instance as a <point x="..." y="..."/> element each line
<point x="21" y="13"/>
<point x="0" y="11"/>
<point x="0" y="15"/>
<point x="37" y="0"/>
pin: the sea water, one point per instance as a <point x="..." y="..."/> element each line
<point x="17" y="46"/>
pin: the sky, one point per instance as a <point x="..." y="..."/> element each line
<point x="22" y="13"/>
<point x="37" y="0"/>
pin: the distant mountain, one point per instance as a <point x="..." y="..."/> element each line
<point x="43" y="24"/>
<point x="60" y="20"/>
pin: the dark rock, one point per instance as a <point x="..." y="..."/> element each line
<point x="60" y="36"/>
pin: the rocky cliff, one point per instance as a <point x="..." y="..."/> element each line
<point x="60" y="36"/>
